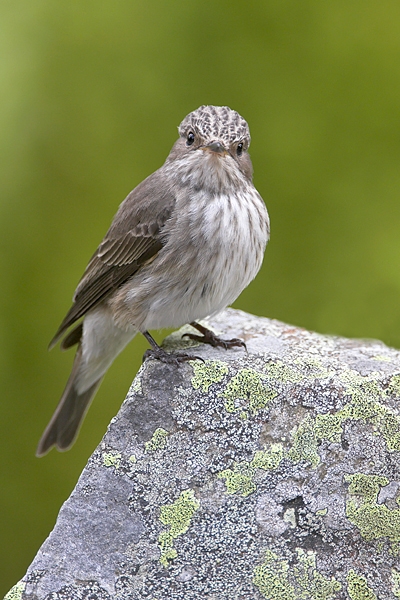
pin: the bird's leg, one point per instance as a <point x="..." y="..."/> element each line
<point x="208" y="337"/>
<point x="166" y="357"/>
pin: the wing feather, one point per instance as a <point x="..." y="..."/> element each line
<point x="133" y="238"/>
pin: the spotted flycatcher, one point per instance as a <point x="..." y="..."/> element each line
<point x="182" y="246"/>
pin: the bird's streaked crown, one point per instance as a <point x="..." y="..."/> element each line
<point x="216" y="122"/>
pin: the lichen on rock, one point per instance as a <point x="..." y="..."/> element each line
<point x="267" y="473"/>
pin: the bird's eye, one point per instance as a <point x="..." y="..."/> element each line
<point x="239" y="149"/>
<point x="190" y="138"/>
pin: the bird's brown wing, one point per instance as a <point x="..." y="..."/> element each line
<point x="133" y="238"/>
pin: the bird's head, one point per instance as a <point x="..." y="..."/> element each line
<point x="215" y="139"/>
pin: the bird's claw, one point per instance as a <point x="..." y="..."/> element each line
<point x="173" y="358"/>
<point x="210" y="338"/>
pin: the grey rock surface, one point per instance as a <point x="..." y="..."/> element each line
<point x="272" y="473"/>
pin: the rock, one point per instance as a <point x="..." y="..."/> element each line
<point x="272" y="473"/>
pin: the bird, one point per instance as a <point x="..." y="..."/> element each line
<point x="182" y="246"/>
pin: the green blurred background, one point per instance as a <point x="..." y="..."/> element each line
<point x="91" y="95"/>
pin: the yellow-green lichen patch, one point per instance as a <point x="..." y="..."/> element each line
<point x="177" y="517"/>
<point x="382" y="358"/>
<point x="396" y="583"/>
<point x="358" y="588"/>
<point x="272" y="578"/>
<point x="240" y="479"/>
<point x="16" y="591"/>
<point x="158" y="440"/>
<point x="112" y="459"/>
<point x="305" y="443"/>
<point x="395" y="549"/>
<point x="305" y="368"/>
<point x="268" y="459"/>
<point x="374" y="520"/>
<point x="278" y="371"/>
<point x="394" y="386"/>
<point x="360" y="385"/>
<point x="277" y="581"/>
<point x="390" y="429"/>
<point x="248" y="387"/>
<point x="207" y="373"/>
<point x="329" y="426"/>
<point x="312" y="368"/>
<point x="311" y="582"/>
<point x="364" y="405"/>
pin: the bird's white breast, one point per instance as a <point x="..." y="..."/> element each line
<point x="214" y="248"/>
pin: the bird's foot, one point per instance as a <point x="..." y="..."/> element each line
<point x="171" y="358"/>
<point x="208" y="337"/>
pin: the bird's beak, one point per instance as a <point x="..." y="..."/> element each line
<point x="216" y="147"/>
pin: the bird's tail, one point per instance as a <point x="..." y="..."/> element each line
<point x="68" y="416"/>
